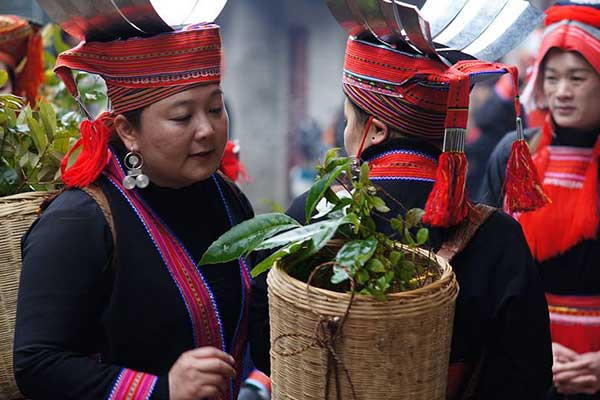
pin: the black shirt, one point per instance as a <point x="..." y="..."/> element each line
<point x="500" y="307"/>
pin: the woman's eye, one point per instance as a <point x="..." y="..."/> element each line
<point x="181" y="118"/>
<point x="216" y="110"/>
<point x="551" y="79"/>
<point x="577" y="78"/>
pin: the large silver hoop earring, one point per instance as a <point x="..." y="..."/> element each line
<point x="134" y="162"/>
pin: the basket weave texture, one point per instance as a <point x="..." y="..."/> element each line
<point x="397" y="349"/>
<point x="17" y="213"/>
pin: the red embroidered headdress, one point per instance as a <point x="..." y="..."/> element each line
<point x="570" y="174"/>
<point x="425" y="98"/>
<point x="138" y="72"/>
<point x="22" y="50"/>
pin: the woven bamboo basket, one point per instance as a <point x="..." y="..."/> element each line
<point x="16" y="215"/>
<point x="398" y="349"/>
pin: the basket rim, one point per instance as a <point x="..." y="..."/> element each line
<point x="446" y="278"/>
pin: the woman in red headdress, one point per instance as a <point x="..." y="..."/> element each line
<point x="21" y="56"/>
<point x="402" y="110"/>
<point x="563" y="235"/>
<point x="111" y="302"/>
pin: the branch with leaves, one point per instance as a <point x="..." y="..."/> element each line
<point x="342" y="235"/>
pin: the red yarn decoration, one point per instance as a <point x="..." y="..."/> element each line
<point x="522" y="185"/>
<point x="32" y="76"/>
<point x="93" y="156"/>
<point x="447" y="204"/>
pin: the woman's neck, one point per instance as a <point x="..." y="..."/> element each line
<point x="575" y="137"/>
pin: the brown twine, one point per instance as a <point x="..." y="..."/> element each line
<point x="328" y="330"/>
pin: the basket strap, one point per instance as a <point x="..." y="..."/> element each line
<point x="96" y="193"/>
<point x="462" y="234"/>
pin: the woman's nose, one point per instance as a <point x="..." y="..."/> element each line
<point x="203" y="128"/>
<point x="564" y="88"/>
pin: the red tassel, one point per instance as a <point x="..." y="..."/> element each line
<point x="447" y="204"/>
<point x="32" y="76"/>
<point x="93" y="156"/>
<point x="231" y="165"/>
<point x="522" y="185"/>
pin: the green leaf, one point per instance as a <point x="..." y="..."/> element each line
<point x="37" y="134"/>
<point x="364" y="173"/>
<point x="331" y="155"/>
<point x="407" y="270"/>
<point x="362" y="277"/>
<point x="413" y="217"/>
<point x="374" y="265"/>
<point x="245" y="237"/>
<point x="3" y="77"/>
<point x="318" y="189"/>
<point x="397" y="224"/>
<point x="396" y="257"/>
<point x="353" y="255"/>
<point x="268" y="262"/>
<point x="422" y="236"/>
<point x="48" y="118"/>
<point x="8" y="180"/>
<point x="379" y="204"/>
<point x="318" y="232"/>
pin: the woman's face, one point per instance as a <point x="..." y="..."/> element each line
<point x="182" y="138"/>
<point x="572" y="90"/>
<point x="354" y="130"/>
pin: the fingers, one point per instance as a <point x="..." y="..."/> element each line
<point x="211" y="352"/>
<point x="572" y="365"/>
<point x="563" y="354"/>
<point x="214" y="366"/>
<point x="566" y="376"/>
<point x="587" y="384"/>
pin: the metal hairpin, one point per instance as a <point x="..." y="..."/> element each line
<point x="82" y="108"/>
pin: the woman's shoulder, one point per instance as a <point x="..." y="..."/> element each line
<point x="70" y="214"/>
<point x="503" y="148"/>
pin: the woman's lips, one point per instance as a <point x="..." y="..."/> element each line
<point x="564" y="111"/>
<point x="203" y="154"/>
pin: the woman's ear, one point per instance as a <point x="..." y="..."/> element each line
<point x="126" y="132"/>
<point x="379" y="131"/>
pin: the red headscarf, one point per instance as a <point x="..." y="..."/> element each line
<point x="21" y="41"/>
<point x="138" y="72"/>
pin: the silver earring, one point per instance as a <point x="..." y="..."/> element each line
<point x="133" y="161"/>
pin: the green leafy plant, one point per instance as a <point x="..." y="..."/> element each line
<point x="339" y="245"/>
<point x="34" y="140"/>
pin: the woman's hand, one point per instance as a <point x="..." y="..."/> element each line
<point x="562" y="354"/>
<point x="199" y="373"/>
<point x="579" y="376"/>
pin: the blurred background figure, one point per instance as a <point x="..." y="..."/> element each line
<point x="21" y="56"/>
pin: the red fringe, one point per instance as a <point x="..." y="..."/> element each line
<point x="522" y="185"/>
<point x="93" y="156"/>
<point x="32" y="76"/>
<point x="575" y="211"/>
<point x="447" y="204"/>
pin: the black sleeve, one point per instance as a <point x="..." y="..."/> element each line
<point x="65" y="283"/>
<point x="518" y="355"/>
<point x="491" y="190"/>
<point x="296" y="209"/>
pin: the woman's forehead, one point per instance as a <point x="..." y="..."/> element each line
<point x="193" y="96"/>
